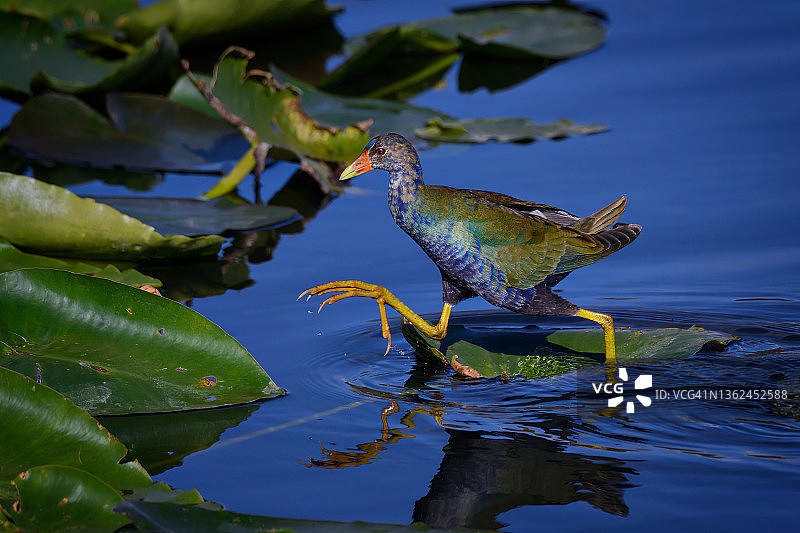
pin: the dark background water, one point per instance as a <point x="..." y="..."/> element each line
<point x="702" y="101"/>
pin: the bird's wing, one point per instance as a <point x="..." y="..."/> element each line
<point x="528" y="247"/>
<point x="553" y="214"/>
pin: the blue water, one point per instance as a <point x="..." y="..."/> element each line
<point x="702" y="101"/>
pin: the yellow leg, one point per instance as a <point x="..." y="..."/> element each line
<point x="346" y="289"/>
<point x="608" y="332"/>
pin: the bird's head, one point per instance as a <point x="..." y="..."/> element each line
<point x="390" y="152"/>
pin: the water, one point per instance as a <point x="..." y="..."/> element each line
<point x="702" y="102"/>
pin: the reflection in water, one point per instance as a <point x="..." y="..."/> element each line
<point x="485" y="474"/>
<point x="369" y="450"/>
<point x="161" y="441"/>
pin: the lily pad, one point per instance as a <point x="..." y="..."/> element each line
<point x="41" y="427"/>
<point x="399" y="61"/>
<point x="11" y="258"/>
<point x="268" y="112"/>
<point x="202" y="21"/>
<point x="519" y="31"/>
<point x="536" y="353"/>
<point x="36" y="56"/>
<point x="61" y="498"/>
<point x="143" y="132"/>
<point x="338" y="111"/>
<point x="149" y="516"/>
<point x="113" y="349"/>
<point x="51" y="220"/>
<point x="516" y="130"/>
<point x="200" y="217"/>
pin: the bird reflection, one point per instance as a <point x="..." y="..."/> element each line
<point x="370" y="450"/>
<point x="484" y="474"/>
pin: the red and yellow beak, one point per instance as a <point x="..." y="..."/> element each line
<point x="359" y="166"/>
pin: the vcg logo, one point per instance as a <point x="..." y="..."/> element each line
<point x="617" y="389"/>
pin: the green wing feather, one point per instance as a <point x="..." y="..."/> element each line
<point x="526" y="246"/>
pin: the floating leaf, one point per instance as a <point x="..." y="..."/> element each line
<point x="395" y="62"/>
<point x="536" y="353"/>
<point x="270" y="113"/>
<point x="521" y="31"/>
<point x="399" y="61"/>
<point x="199" y="217"/>
<point x="113" y="349"/>
<point x="149" y="516"/>
<point x="501" y="130"/>
<point x="36" y="54"/>
<point x="51" y="220"/>
<point x="62" y="498"/>
<point x="201" y="21"/>
<point x="12" y="258"/>
<point x="42" y="427"/>
<point x="144" y="132"/>
<point x="339" y="111"/>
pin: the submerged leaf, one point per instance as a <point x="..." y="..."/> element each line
<point x="113" y="349"/>
<point x="199" y="217"/>
<point x="143" y="132"/>
<point x="51" y="220"/>
<point x="536" y="353"/>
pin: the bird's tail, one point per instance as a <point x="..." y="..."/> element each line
<point x="601" y="219"/>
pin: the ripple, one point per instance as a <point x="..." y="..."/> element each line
<point x="351" y="366"/>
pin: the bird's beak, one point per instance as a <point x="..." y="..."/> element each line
<point x="359" y="166"/>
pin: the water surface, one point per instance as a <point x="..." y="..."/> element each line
<point x="702" y="101"/>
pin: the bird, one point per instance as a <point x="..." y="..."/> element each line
<point x="508" y="251"/>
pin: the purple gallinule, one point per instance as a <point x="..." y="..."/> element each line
<point x="508" y="251"/>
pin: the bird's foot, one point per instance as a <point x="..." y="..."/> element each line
<point x="347" y="289"/>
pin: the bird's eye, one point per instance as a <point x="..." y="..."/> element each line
<point x="380" y="151"/>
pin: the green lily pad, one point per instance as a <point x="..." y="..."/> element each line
<point x="144" y="132"/>
<point x="148" y="516"/>
<point x="395" y="62"/>
<point x="199" y="217"/>
<point x="399" y="61"/>
<point x="502" y="130"/>
<point x="11" y="258"/>
<point x="61" y="498"/>
<point x="272" y="113"/>
<point x="89" y="13"/>
<point x="113" y="349"/>
<point x="338" y="111"/>
<point x="202" y="21"/>
<point x="41" y="427"/>
<point x="38" y="56"/>
<point x="536" y="353"/>
<point x="49" y="219"/>
<point x="522" y="31"/>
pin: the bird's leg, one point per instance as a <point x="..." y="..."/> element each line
<point x="346" y="289"/>
<point x="608" y="332"/>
